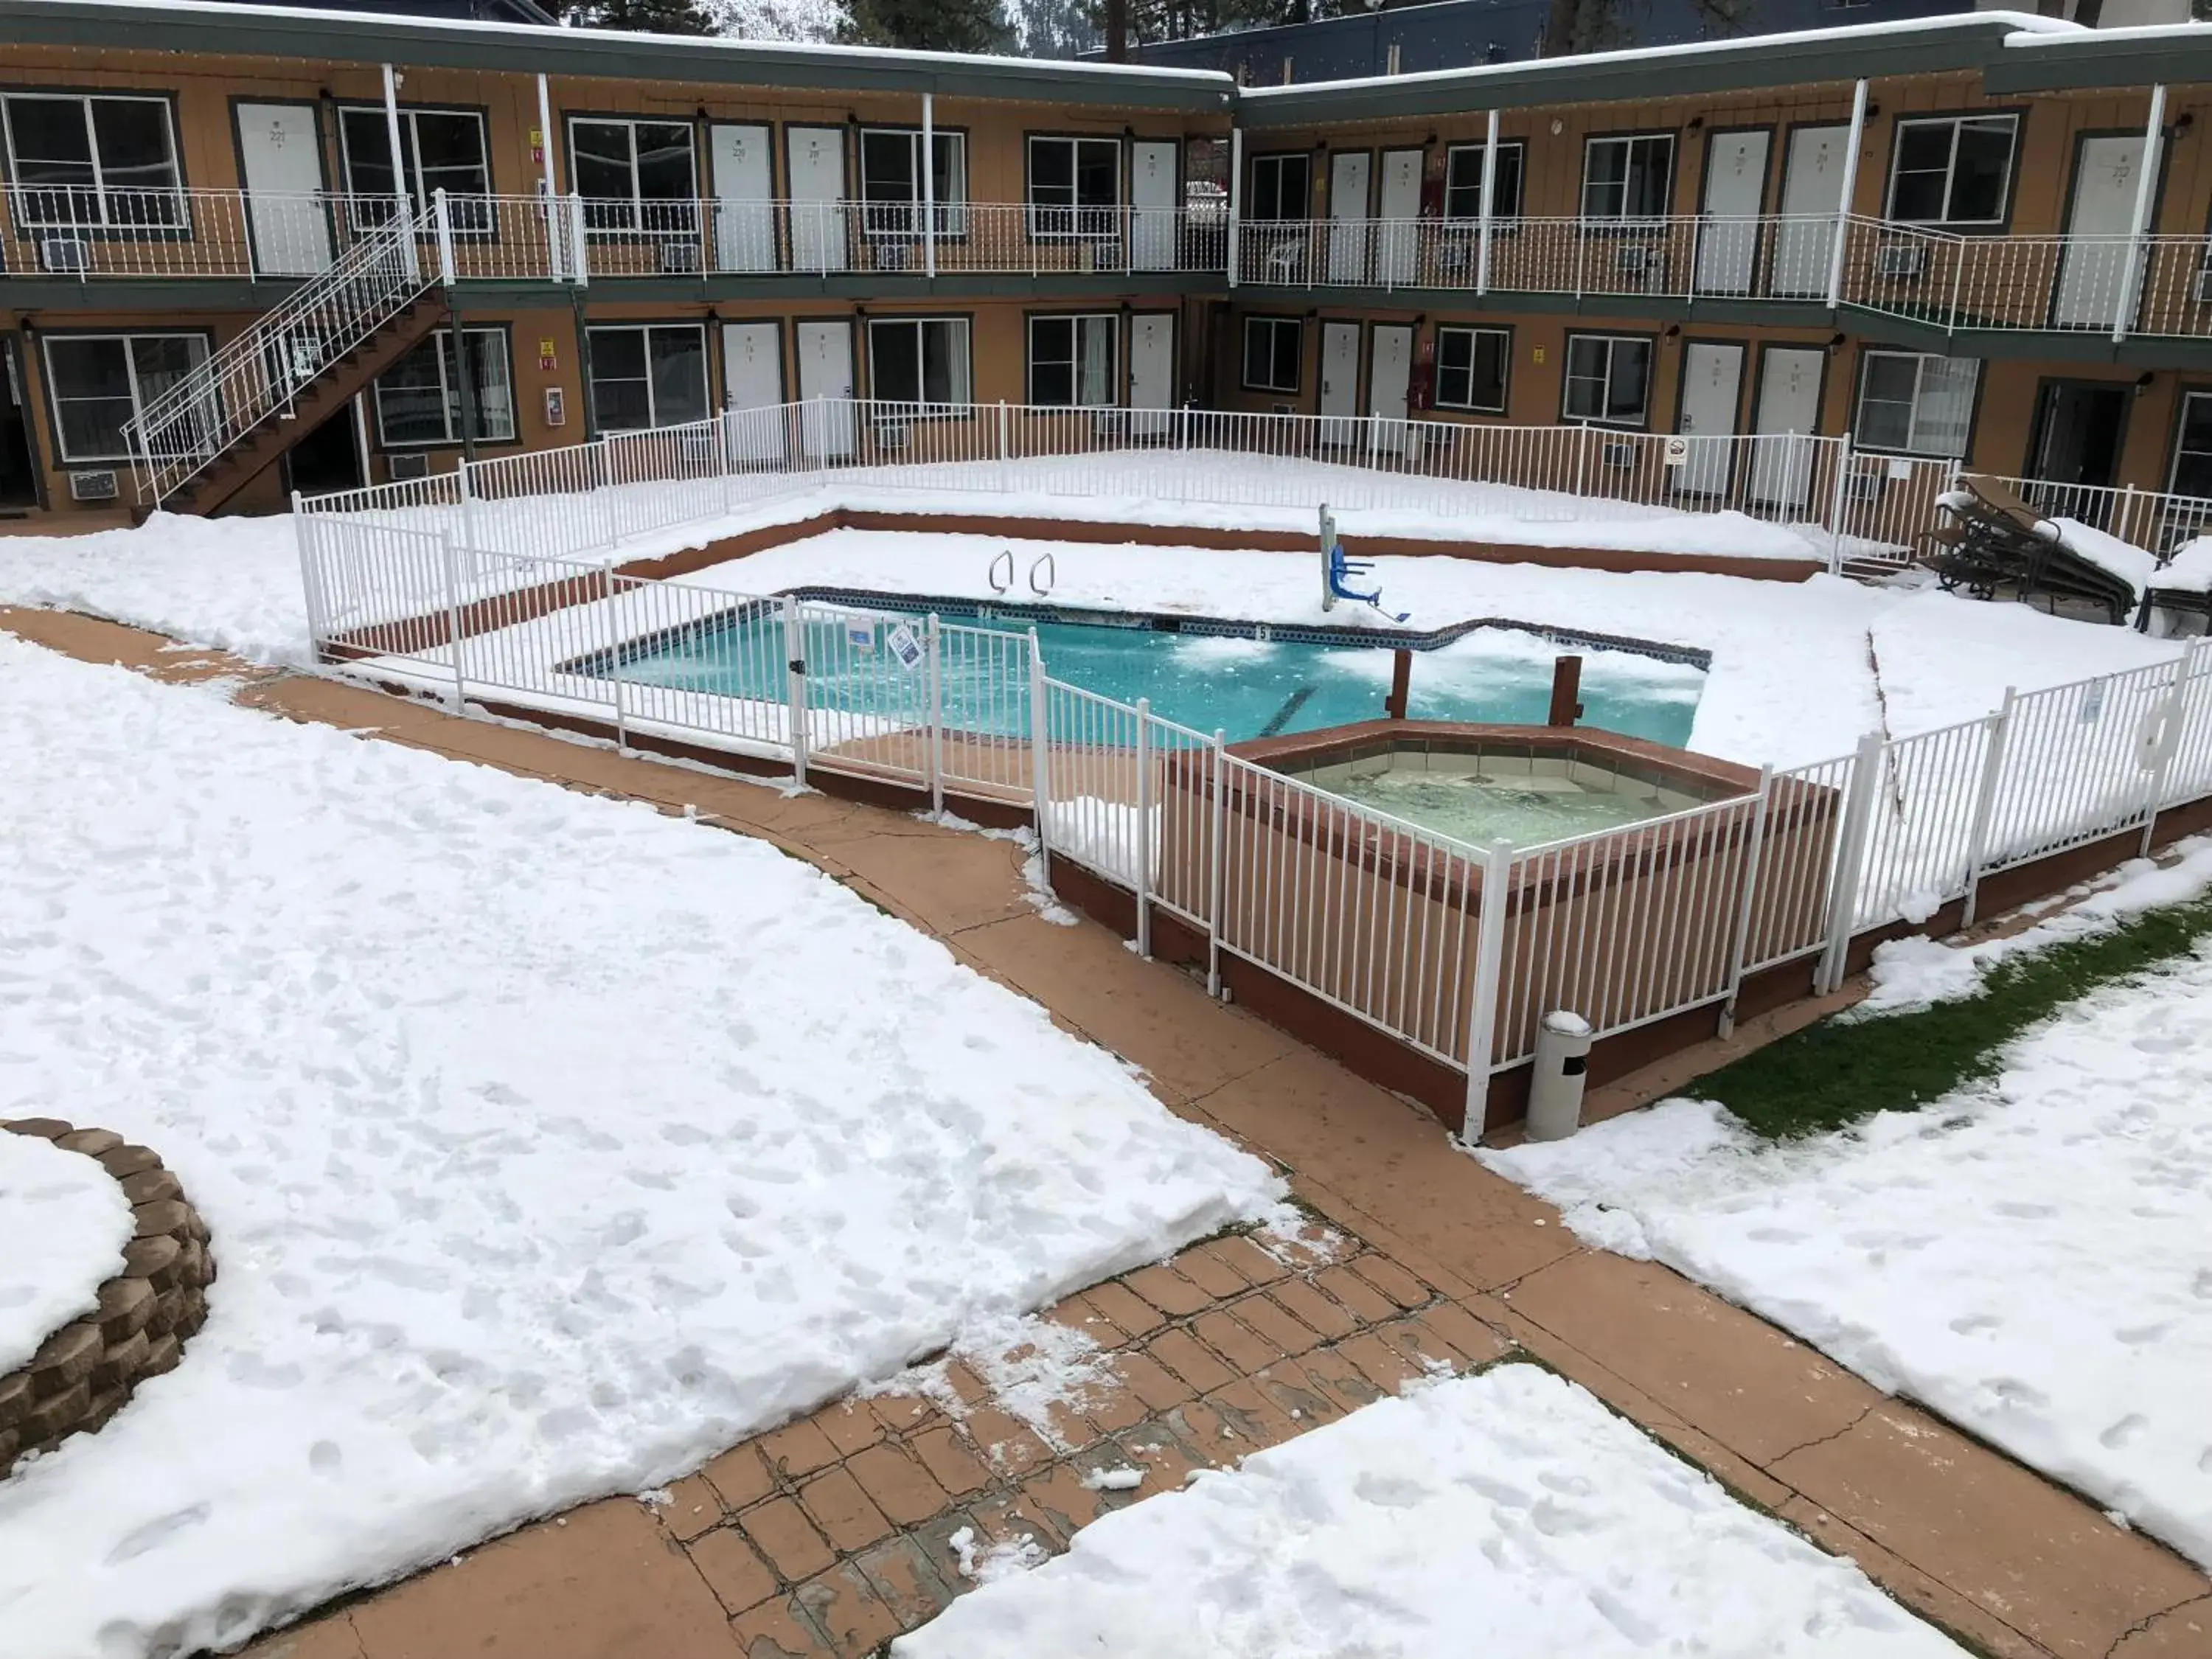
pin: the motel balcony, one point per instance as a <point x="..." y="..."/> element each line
<point x="88" y="236"/>
<point x="1941" y="281"/>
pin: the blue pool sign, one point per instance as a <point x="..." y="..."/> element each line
<point x="861" y="636"/>
<point x="904" y="646"/>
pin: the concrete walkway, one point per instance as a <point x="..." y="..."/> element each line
<point x="1471" y="1269"/>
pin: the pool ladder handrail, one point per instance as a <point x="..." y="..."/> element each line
<point x="1046" y="562"/>
<point x="992" y="574"/>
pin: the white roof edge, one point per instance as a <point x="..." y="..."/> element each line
<point x="2023" y="23"/>
<point x="470" y="27"/>
<point x="2139" y="31"/>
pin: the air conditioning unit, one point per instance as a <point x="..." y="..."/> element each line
<point x="1900" y="259"/>
<point x="93" y="486"/>
<point x="1452" y="256"/>
<point x="1620" y="454"/>
<point x="408" y="466"/>
<point x="1103" y="256"/>
<point x="1287" y="409"/>
<point x="1635" y="258"/>
<point x="68" y="255"/>
<point x="2204" y="286"/>
<point x="892" y="434"/>
<point x="679" y="258"/>
<point x="894" y="256"/>
<point x="1863" y="487"/>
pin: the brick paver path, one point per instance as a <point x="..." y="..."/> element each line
<point x="829" y="1534"/>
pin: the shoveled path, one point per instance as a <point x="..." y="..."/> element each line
<point x="830" y="1535"/>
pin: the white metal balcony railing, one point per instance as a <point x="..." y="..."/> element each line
<point x="85" y="235"/>
<point x="2153" y="285"/>
<point x="1942" y="279"/>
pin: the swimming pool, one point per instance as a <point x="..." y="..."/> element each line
<point x="1243" y="679"/>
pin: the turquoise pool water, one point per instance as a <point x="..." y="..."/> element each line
<point x="1246" y="687"/>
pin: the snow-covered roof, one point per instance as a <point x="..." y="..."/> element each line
<point x="332" y="36"/>
<point x="2035" y="62"/>
<point x="1903" y="46"/>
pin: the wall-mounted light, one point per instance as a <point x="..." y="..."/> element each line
<point x="1872" y="109"/>
<point x="1557" y="126"/>
<point x="2183" y="121"/>
<point x="1672" y="329"/>
<point x="2143" y="382"/>
<point x="1837" y="342"/>
<point x="1697" y="122"/>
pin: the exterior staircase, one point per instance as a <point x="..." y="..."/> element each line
<point x="211" y="434"/>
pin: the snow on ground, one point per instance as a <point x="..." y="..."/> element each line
<point x="548" y="1145"/>
<point x="230" y="583"/>
<point x="1508" y="1513"/>
<point x="63" y="1222"/>
<point x="2029" y="1257"/>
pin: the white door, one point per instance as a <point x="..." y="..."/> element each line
<point x="1735" y="188"/>
<point x="825" y="387"/>
<point x="1155" y="193"/>
<point x="1401" y="215"/>
<point x="815" y="163"/>
<point x="1151" y="372"/>
<point x="1712" y="379"/>
<point x="752" y="390"/>
<point x="1812" y="190"/>
<point x="744" y="198"/>
<point x="1390" y="374"/>
<point x="1788" y="413"/>
<point x="283" y="153"/>
<point x="2104" y="211"/>
<point x="1348" y="229"/>
<point x="1340" y="382"/>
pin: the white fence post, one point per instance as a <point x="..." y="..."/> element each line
<point x="1040" y="759"/>
<point x="1839" y="507"/>
<point x="580" y="245"/>
<point x="935" y="759"/>
<point x="1850" y="858"/>
<point x="1985" y="804"/>
<point x="1217" y="905"/>
<point x="1489" y="960"/>
<point x="603" y="475"/>
<point x="1143" y="874"/>
<point x="462" y="483"/>
<point x="794" y="652"/>
<point x="2139" y="221"/>
<point x="2171" y="717"/>
<point x="1855" y="137"/>
<point x="454" y="617"/>
<point x="1739" y="938"/>
<point x="1235" y="197"/>
<point x="614" y="663"/>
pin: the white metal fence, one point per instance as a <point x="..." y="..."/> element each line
<point x="1455" y="950"/>
<point x="1818" y="499"/>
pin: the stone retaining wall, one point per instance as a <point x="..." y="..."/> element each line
<point x="84" y="1372"/>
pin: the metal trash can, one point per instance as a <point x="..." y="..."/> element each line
<point x="1555" y="1092"/>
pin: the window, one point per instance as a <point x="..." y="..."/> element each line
<point x="1919" y="405"/>
<point x="1072" y="360"/>
<point x="1627" y="178"/>
<point x="92" y="161"/>
<point x="1609" y="379"/>
<point x="635" y="176"/>
<point x="418" y="398"/>
<point x="1471" y="368"/>
<point x="891" y="182"/>
<point x="920" y="360"/>
<point x="1463" y="182"/>
<point x="1955" y="170"/>
<point x="1075" y="186"/>
<point x="1282" y="188"/>
<point x="650" y="376"/>
<point x="439" y="149"/>
<point x="2192" y="446"/>
<point x="1274" y="348"/>
<point x="100" y="381"/>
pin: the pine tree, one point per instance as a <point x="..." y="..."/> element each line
<point x="933" y="25"/>
<point x="643" y="16"/>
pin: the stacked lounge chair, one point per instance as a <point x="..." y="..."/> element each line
<point x="1989" y="537"/>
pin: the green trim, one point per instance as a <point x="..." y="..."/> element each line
<point x="2101" y="60"/>
<point x="416" y="42"/>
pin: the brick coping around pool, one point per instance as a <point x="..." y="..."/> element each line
<point x="2017" y="1566"/>
<point x="83" y="1373"/>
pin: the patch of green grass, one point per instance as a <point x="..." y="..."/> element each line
<point x="1836" y="1071"/>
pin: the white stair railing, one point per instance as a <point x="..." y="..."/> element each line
<point x="260" y="371"/>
